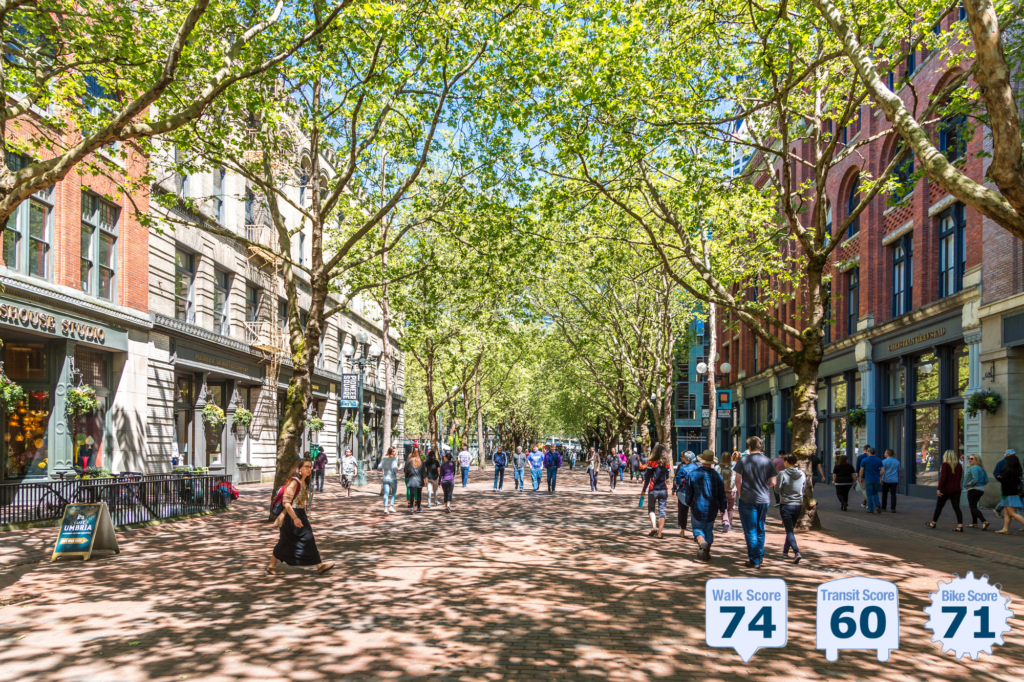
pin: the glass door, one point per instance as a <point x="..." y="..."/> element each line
<point x="214" y="434"/>
<point x="896" y="435"/>
<point x="184" y="454"/>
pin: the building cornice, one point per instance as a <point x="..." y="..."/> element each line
<point x="73" y="302"/>
<point x="196" y="333"/>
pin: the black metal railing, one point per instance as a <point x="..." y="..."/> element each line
<point x="131" y="497"/>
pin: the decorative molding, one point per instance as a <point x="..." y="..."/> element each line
<point x="972" y="335"/>
<point x="941" y="205"/>
<point x="72" y="304"/>
<point x="898" y="233"/>
<point x="198" y="333"/>
<point x="847" y="265"/>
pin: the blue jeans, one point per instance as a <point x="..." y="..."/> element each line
<point x="390" y="490"/>
<point x="517" y="476"/>
<point x="872" y="488"/>
<point x="465" y="476"/>
<point x="752" y="517"/>
<point x="552" y="473"/>
<point x="704" y="529"/>
<point x="622" y="469"/>
<point x="789" y="514"/>
<point x="499" y="477"/>
<point x="318" y="480"/>
<point x="535" y="474"/>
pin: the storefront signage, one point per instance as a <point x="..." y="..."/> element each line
<point x="84" y="529"/>
<point x="920" y="338"/>
<point x="349" y="391"/>
<point x="213" y="361"/>
<point x="42" y="321"/>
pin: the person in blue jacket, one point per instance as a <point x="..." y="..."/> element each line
<point x="552" y="461"/>
<point x="536" y="460"/>
<point x="500" y="462"/>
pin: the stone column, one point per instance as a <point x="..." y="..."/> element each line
<point x="972" y="425"/>
<point x="61" y="446"/>
<point x="198" y="455"/>
<point x="229" y="439"/>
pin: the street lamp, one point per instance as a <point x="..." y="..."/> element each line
<point x="366" y="358"/>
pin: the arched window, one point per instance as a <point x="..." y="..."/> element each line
<point x="904" y="178"/>
<point x="851" y="205"/>
<point x="828" y="217"/>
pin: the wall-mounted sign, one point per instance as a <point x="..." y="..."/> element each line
<point x="214" y="362"/>
<point x="920" y="338"/>
<point x="349" y="391"/>
<point x="41" y="320"/>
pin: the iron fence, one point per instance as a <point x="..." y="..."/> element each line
<point x="131" y="497"/>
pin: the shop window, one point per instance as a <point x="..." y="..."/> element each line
<point x="838" y="389"/>
<point x="28" y="236"/>
<point x="926" y="378"/>
<point x="99" y="247"/>
<point x="852" y="300"/>
<point x="26" y="436"/>
<point x="961" y="369"/>
<point x="25" y="361"/>
<point x="822" y="397"/>
<point x="928" y="459"/>
<point x="90" y="429"/>
<point x="857" y="390"/>
<point x="852" y="200"/>
<point x="897" y="384"/>
<point x="185" y="390"/>
<point x="221" y="292"/>
<point x="952" y="254"/>
<point x="93" y="366"/>
<point x="902" y="276"/>
<point x="687" y="407"/>
<point x="838" y="425"/>
<point x="184" y="286"/>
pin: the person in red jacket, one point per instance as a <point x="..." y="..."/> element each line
<point x="949" y="489"/>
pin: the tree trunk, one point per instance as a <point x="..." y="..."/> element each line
<point x="481" y="446"/>
<point x="805" y="422"/>
<point x="385" y="343"/>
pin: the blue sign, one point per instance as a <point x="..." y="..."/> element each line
<point x="724" y="400"/>
<point x="349" y="391"/>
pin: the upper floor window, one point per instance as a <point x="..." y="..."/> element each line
<point x="828" y="217"/>
<point x="184" y="286"/>
<point x="891" y="80"/>
<point x="28" y="235"/>
<point x="902" y="276"/>
<point x="952" y="254"/>
<point x="252" y="303"/>
<point x="911" y="64"/>
<point x="221" y="292"/>
<point x="852" y="300"/>
<point x="218" y="194"/>
<point x="852" y="200"/>
<point x="282" y="314"/>
<point x="757" y="357"/>
<point x="98" y="269"/>
<point x="826" y="290"/>
<point x="182" y="178"/>
<point x="962" y="13"/>
<point x="303" y="184"/>
<point x="904" y="179"/>
<point x="302" y="248"/>
<point x="953" y="136"/>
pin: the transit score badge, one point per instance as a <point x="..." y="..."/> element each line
<point x="858" y="613"/>
<point x="968" y="616"/>
<point x="745" y="614"/>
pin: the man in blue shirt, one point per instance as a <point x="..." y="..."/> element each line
<point x="552" y="460"/>
<point x="871" y="477"/>
<point x="705" y="490"/>
<point x="500" y="462"/>
<point x="536" y="460"/>
<point x="890" y="479"/>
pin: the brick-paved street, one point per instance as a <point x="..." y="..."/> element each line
<point x="509" y="586"/>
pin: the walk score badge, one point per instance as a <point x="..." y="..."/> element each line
<point x="84" y="529"/>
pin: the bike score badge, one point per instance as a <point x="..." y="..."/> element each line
<point x="968" y="616"/>
<point x="84" y="529"/>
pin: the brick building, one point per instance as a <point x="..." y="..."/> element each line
<point x="928" y="304"/>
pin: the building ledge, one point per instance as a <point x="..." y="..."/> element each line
<point x="72" y="300"/>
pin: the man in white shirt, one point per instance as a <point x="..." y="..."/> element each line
<point x="465" y="459"/>
<point x="349" y="467"/>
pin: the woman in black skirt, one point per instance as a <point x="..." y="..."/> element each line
<point x="296" y="545"/>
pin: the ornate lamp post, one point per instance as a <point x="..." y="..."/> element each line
<point x="367" y="357"/>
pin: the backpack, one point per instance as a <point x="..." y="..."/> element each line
<point x="277" y="506"/>
<point x="680" y="480"/>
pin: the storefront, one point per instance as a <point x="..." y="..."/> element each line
<point x="45" y="352"/>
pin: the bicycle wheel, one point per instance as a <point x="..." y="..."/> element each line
<point x="50" y="506"/>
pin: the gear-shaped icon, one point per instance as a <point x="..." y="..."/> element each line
<point x="968" y="615"/>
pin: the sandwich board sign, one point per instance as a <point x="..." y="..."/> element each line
<point x="85" y="528"/>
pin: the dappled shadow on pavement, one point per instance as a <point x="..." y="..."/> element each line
<point x="509" y="586"/>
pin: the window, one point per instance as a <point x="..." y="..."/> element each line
<point x="926" y="378"/>
<point x="252" y="302"/>
<point x="838" y="390"/>
<point x="221" y="290"/>
<point x="95" y="100"/>
<point x="952" y="137"/>
<point x="303" y="182"/>
<point x="218" y="194"/>
<point x="897" y="384"/>
<point x="951" y="251"/>
<point x="851" y="205"/>
<point x="852" y="300"/>
<point x="962" y="14"/>
<point x="902" y="276"/>
<point x="828" y="217"/>
<point x="282" y="314"/>
<point x="827" y="293"/>
<point x="29" y="230"/>
<point x="302" y="248"/>
<point x="961" y="370"/>
<point x="756" y="358"/>
<point x="904" y="179"/>
<point x="891" y="80"/>
<point x="911" y="64"/>
<point x="181" y="175"/>
<point x="184" y="280"/>
<point x="687" y="406"/>
<point x="320" y="349"/>
<point x="98" y="271"/>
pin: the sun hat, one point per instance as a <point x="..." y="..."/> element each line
<point x="708" y="456"/>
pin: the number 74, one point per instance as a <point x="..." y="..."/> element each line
<point x="762" y="621"/>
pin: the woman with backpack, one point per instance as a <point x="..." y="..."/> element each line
<point x="656" y="486"/>
<point x="975" y="480"/>
<point x="296" y="545"/>
<point x="611" y="464"/>
<point x="1009" y="478"/>
<point x="415" y="472"/>
<point x="432" y="468"/>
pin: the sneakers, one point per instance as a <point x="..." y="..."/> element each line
<point x="751" y="564"/>
<point x="726" y="528"/>
<point x="796" y="559"/>
<point x="393" y="511"/>
<point x="386" y="511"/>
<point x="702" y="553"/>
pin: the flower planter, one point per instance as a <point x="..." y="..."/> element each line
<point x="249" y="475"/>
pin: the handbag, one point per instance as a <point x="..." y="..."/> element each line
<point x="277" y="506"/>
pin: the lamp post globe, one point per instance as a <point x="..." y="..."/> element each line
<point x="725" y="367"/>
<point x="701" y="367"/>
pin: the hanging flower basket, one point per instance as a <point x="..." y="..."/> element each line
<point x="768" y="428"/>
<point x="316" y="425"/>
<point x="736" y="430"/>
<point x="351" y="427"/>
<point x="213" y="416"/>
<point x="243" y="418"/>
<point x="11" y="394"/>
<point x="986" y="400"/>
<point x="857" y="418"/>
<point x="789" y="425"/>
<point x="79" y="401"/>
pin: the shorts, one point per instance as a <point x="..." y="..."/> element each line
<point x="657" y="498"/>
<point x="346" y="481"/>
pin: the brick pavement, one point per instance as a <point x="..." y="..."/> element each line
<point x="510" y="586"/>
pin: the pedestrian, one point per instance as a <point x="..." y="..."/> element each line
<point x="622" y="465"/>
<point x="687" y="465"/>
<point x="553" y="461"/>
<point x="950" y="477"/>
<point x="536" y="460"/>
<point x="842" y="478"/>
<point x="634" y="466"/>
<point x="890" y="479"/>
<point x="656" y="487"/>
<point x="817" y="471"/>
<point x="868" y="450"/>
<point x="389" y="479"/>
<point x="518" y="467"/>
<point x="415" y="473"/>
<point x="319" y="469"/>
<point x="871" y="479"/>
<point x="593" y="466"/>
<point x="296" y="545"/>
<point x="500" y="460"/>
<point x="572" y="459"/>
<point x="349" y="468"/>
<point x="465" y="460"/>
<point x="705" y="491"/>
<point x="791" y="492"/>
<point x="432" y="469"/>
<point x="447" y="480"/>
<point x="975" y="480"/>
<point x="780" y="464"/>
<point x="729" y="479"/>
<point x="1012" y="487"/>
<point x="756" y="476"/>
<point x="611" y="465"/>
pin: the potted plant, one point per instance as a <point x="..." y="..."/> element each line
<point x="857" y="418"/>
<point x="242" y="419"/>
<point x="80" y="401"/>
<point x="736" y="430"/>
<point x="768" y="428"/>
<point x="789" y="425"/>
<point x="315" y="424"/>
<point x="351" y="427"/>
<point x="11" y="394"/>
<point x="985" y="400"/>
<point x="213" y="416"/>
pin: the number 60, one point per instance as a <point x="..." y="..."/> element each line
<point x="845" y="627"/>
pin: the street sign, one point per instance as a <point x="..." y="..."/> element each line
<point x="84" y="529"/>
<point x="724" y="399"/>
<point x="349" y="391"/>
